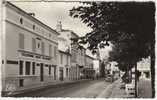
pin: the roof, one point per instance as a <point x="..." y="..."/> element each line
<point x="29" y="16"/>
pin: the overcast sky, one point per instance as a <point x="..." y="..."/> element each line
<point x="51" y="12"/>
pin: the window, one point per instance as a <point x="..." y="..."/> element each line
<point x="42" y="48"/>
<point x="27" y="68"/>
<point x="67" y="72"/>
<point x="21" y="82"/>
<point x="50" y="35"/>
<point x="67" y="60"/>
<point x="55" y="51"/>
<point x="50" y="50"/>
<point x="33" y="68"/>
<point x="21" y="68"/>
<point x="55" y="73"/>
<point x="38" y="45"/>
<point x="33" y="27"/>
<point x="21" y="41"/>
<point x="61" y="59"/>
<point x="21" y="20"/>
<point x="49" y="69"/>
<point x="33" y="44"/>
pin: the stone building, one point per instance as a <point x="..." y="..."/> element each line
<point x="29" y="50"/>
<point x="77" y="55"/>
<point x="88" y="71"/>
<point x="64" y="59"/>
<point x="64" y="65"/>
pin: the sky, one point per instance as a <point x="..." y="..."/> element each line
<point x="51" y="12"/>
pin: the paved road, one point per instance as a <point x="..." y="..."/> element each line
<point x="144" y="89"/>
<point x="88" y="89"/>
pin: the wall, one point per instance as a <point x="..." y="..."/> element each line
<point x="65" y="64"/>
<point x="14" y="53"/>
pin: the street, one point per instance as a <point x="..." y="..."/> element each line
<point x="87" y="89"/>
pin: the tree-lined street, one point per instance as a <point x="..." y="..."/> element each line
<point x="60" y="62"/>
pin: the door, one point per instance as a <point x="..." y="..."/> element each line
<point x="61" y="74"/>
<point x="41" y="72"/>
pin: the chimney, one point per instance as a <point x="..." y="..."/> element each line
<point x="59" y="26"/>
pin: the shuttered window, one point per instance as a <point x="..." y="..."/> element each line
<point x="49" y="69"/>
<point x="21" y="68"/>
<point x="21" y="41"/>
<point x="67" y="60"/>
<point x="50" y="50"/>
<point x="42" y="48"/>
<point x="33" y="45"/>
<point x="33" y="68"/>
<point x="27" y="70"/>
<point x="55" y="52"/>
<point x="61" y="59"/>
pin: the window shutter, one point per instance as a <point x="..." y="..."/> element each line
<point x="21" y="41"/>
<point x="33" y="45"/>
<point x="42" y="47"/>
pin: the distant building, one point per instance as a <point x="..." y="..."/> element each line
<point x="29" y="51"/>
<point x="64" y="59"/>
<point x="77" y="55"/>
<point x="64" y="65"/>
<point x="97" y="64"/>
<point x="88" y="70"/>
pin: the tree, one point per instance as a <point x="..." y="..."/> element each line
<point x="130" y="26"/>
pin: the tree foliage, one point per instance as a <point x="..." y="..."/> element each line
<point x="129" y="26"/>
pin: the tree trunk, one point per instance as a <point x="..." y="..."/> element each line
<point x="136" y="80"/>
<point x="153" y="69"/>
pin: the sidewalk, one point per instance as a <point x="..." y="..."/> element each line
<point x="144" y="88"/>
<point x="114" y="91"/>
<point x="45" y="86"/>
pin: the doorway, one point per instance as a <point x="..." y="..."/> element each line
<point x="61" y="74"/>
<point x="41" y="72"/>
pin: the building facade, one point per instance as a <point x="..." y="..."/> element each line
<point x="64" y="65"/>
<point x="88" y="71"/>
<point x="64" y="59"/>
<point x="29" y="50"/>
<point x="77" y="55"/>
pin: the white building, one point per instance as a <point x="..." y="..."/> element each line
<point x="144" y="67"/>
<point x="29" y="50"/>
<point x="77" y="55"/>
<point x="64" y="65"/>
<point x="64" y="59"/>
